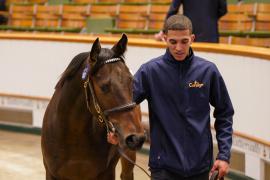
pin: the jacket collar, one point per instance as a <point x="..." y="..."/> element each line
<point x="170" y="59"/>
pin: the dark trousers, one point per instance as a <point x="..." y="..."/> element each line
<point x="167" y="175"/>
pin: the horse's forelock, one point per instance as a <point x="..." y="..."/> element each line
<point x="104" y="55"/>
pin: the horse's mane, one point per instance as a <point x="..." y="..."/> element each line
<point x="72" y="68"/>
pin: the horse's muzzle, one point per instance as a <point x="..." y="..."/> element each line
<point x="135" y="141"/>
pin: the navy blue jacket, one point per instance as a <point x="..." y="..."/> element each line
<point x="178" y="95"/>
<point x="204" y="15"/>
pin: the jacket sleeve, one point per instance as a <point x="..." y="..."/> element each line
<point x="222" y="8"/>
<point x="140" y="85"/>
<point x="173" y="8"/>
<point x="223" y="113"/>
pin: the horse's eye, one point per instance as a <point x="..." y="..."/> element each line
<point x="105" y="88"/>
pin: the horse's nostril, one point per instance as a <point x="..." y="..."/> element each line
<point x="135" y="142"/>
<point x="142" y="138"/>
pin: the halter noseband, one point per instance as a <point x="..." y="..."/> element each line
<point x="101" y="115"/>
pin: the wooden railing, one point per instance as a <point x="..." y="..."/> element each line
<point x="257" y="52"/>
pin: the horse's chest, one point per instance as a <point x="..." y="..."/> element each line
<point x="79" y="169"/>
<point x="87" y="168"/>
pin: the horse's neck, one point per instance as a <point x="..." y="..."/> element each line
<point x="71" y="97"/>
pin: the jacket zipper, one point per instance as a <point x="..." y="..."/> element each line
<point x="182" y="88"/>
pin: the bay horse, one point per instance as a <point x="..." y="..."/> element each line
<point x="92" y="98"/>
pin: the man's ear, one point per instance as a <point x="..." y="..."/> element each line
<point x="165" y="37"/>
<point x="192" y="38"/>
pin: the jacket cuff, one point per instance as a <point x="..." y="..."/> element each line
<point x="223" y="158"/>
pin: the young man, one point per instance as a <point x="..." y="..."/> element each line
<point x="179" y="87"/>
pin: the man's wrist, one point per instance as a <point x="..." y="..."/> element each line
<point x="223" y="158"/>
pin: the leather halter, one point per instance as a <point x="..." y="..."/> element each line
<point x="102" y="115"/>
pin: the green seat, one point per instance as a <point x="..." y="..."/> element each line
<point x="258" y="34"/>
<point x="58" y="2"/>
<point x="98" y="25"/>
<point x="231" y="33"/>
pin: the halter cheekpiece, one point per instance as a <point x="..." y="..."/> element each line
<point x="102" y="115"/>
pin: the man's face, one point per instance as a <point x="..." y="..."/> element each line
<point x="178" y="43"/>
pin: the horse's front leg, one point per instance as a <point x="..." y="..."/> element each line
<point x="107" y="175"/>
<point x="127" y="167"/>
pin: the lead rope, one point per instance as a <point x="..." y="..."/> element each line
<point x="132" y="162"/>
<point x="214" y="176"/>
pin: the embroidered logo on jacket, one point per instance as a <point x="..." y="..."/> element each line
<point x="195" y="84"/>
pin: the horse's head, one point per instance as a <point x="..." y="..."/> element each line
<point x="111" y="82"/>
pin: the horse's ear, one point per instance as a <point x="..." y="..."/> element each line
<point x="120" y="47"/>
<point x="96" y="48"/>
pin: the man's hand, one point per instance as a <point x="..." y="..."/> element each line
<point x="112" y="138"/>
<point x="222" y="167"/>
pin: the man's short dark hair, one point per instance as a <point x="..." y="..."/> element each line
<point x="177" y="22"/>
